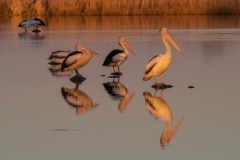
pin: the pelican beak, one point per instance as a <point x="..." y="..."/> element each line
<point x="169" y="38"/>
<point x="128" y="47"/>
<point x="92" y="52"/>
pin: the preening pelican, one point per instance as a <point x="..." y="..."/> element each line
<point x="160" y="110"/>
<point x="24" y="24"/>
<point x="37" y="23"/>
<point x="119" y="92"/>
<point x="77" y="59"/>
<point x="59" y="56"/>
<point x="160" y="63"/>
<point x="116" y="57"/>
<point x="32" y="22"/>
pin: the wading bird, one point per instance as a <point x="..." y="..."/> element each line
<point x="160" y="63"/>
<point x="116" y="57"/>
<point x="37" y="23"/>
<point x="77" y="59"/>
<point x="32" y="22"/>
<point x="24" y="24"/>
<point x="59" y="56"/>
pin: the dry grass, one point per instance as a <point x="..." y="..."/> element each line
<point x="118" y="7"/>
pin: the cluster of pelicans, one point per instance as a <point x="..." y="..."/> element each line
<point x="72" y="61"/>
<point x="77" y="59"/>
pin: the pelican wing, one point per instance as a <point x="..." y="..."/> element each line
<point x="151" y="64"/>
<point x="109" y="59"/>
<point x="119" y="57"/>
<point x="71" y="59"/>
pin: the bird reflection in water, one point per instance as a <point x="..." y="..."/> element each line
<point x="31" y="35"/>
<point x="118" y="91"/>
<point x="55" y="69"/>
<point x="160" y="110"/>
<point x="78" y="99"/>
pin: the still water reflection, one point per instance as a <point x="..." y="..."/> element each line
<point x="32" y="107"/>
<point x="161" y="110"/>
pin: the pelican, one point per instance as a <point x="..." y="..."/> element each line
<point x="119" y="92"/>
<point x="56" y="71"/>
<point x="32" y="22"/>
<point x="59" y="56"/>
<point x="116" y="57"/>
<point x="24" y="24"/>
<point x="78" y="99"/>
<point x="160" y="110"/>
<point x="37" y="23"/>
<point x="77" y="59"/>
<point x="160" y="63"/>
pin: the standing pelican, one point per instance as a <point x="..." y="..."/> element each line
<point x="32" y="22"/>
<point x="160" y="110"/>
<point x="59" y="56"/>
<point x="37" y="23"/>
<point x="77" y="59"/>
<point x="160" y="63"/>
<point x="116" y="57"/>
<point x="24" y="24"/>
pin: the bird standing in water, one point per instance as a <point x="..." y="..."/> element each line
<point x="77" y="59"/>
<point x="32" y="22"/>
<point x="160" y="63"/>
<point x="116" y="57"/>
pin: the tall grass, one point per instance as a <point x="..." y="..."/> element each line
<point x="118" y="7"/>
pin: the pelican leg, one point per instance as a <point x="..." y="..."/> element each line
<point x="77" y="74"/>
<point x="119" y="73"/>
<point x="161" y="78"/>
<point x="114" y="70"/>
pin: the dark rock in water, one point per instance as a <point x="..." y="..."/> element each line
<point x="76" y="79"/>
<point x="163" y="86"/>
<point x="103" y="75"/>
<point x="191" y="87"/>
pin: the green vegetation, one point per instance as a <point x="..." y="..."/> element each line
<point x="118" y="7"/>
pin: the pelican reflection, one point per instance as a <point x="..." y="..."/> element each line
<point x="117" y="91"/>
<point x="31" y="35"/>
<point x="158" y="107"/>
<point x="78" y="99"/>
<point x="55" y="69"/>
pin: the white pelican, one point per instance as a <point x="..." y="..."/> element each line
<point x="32" y="22"/>
<point x="59" y="56"/>
<point x="119" y="92"/>
<point x="77" y="59"/>
<point x="160" y="110"/>
<point x="160" y="63"/>
<point x="116" y="57"/>
<point x="24" y="24"/>
<point x="78" y="99"/>
<point x="37" y="23"/>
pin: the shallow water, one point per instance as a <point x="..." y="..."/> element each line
<point x="38" y="123"/>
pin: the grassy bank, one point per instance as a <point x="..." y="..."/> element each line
<point x="118" y="7"/>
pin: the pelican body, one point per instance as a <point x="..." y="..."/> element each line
<point x="58" y="57"/>
<point x="160" y="63"/>
<point x="24" y="24"/>
<point x="117" y="57"/>
<point x="32" y="22"/>
<point x="77" y="59"/>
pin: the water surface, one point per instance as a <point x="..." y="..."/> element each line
<point x="38" y="123"/>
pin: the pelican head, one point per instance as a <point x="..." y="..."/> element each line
<point x="123" y="43"/>
<point x="166" y="35"/>
<point x="80" y="47"/>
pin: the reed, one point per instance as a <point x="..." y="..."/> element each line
<point x="118" y="7"/>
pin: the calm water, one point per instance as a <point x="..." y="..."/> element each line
<point x="38" y="123"/>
